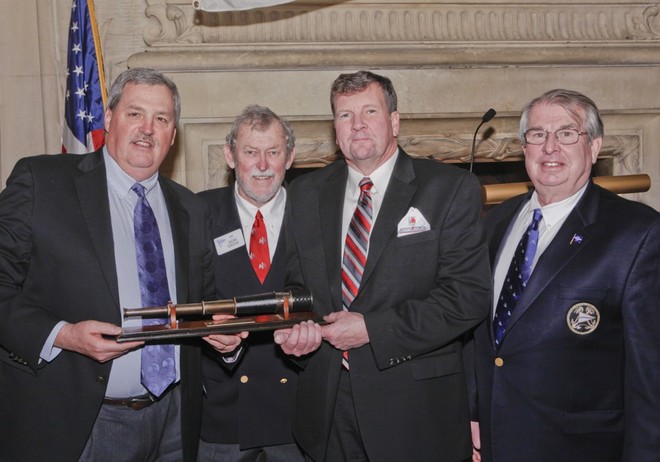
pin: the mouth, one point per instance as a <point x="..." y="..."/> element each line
<point x="262" y="177"/>
<point x="143" y="143"/>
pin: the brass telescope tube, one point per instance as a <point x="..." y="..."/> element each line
<point x="292" y="301"/>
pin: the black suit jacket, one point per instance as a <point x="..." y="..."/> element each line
<point x="420" y="293"/>
<point x="585" y="396"/>
<point x="251" y="401"/>
<point x="57" y="263"/>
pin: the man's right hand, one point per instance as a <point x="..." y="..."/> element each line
<point x="90" y="338"/>
<point x="299" y="340"/>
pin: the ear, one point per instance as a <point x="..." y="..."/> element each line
<point x="107" y="117"/>
<point x="394" y="117"/>
<point x="292" y="157"/>
<point x="229" y="157"/>
<point x="173" y="138"/>
<point x="595" y="149"/>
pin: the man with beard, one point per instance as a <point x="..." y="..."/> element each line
<point x="249" y="395"/>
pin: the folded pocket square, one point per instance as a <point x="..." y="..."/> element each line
<point x="413" y="223"/>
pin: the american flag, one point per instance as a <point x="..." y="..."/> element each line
<point x="84" y="101"/>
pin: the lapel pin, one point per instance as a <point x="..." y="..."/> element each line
<point x="576" y="238"/>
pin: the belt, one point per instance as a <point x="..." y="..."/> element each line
<point x="137" y="403"/>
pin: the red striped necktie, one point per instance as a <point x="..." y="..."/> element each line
<point x="356" y="248"/>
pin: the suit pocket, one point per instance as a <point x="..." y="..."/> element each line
<point x="435" y="366"/>
<point x="411" y="239"/>
<point x="606" y="421"/>
<point x="583" y="294"/>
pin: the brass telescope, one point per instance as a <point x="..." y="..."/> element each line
<point x="293" y="301"/>
<point x="266" y="311"/>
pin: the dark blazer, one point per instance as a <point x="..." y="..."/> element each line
<point x="251" y="401"/>
<point x="420" y="293"/>
<point x="57" y="263"/>
<point x="571" y="392"/>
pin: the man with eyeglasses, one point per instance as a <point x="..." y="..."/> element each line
<point x="567" y="368"/>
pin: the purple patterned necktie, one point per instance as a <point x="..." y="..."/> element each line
<point x="355" y="249"/>
<point x="516" y="278"/>
<point x="158" y="365"/>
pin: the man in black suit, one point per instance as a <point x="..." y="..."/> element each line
<point x="68" y="265"/>
<point x="249" y="395"/>
<point x="570" y="371"/>
<point x="383" y="380"/>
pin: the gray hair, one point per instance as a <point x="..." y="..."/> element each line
<point x="261" y="118"/>
<point x="572" y="102"/>
<point x="348" y="84"/>
<point x="141" y="75"/>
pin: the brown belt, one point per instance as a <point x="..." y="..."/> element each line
<point x="137" y="403"/>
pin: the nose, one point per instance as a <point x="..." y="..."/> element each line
<point x="262" y="162"/>
<point x="147" y="126"/>
<point x="357" y="122"/>
<point x="551" y="143"/>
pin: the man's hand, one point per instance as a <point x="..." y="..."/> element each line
<point x="476" y="441"/>
<point x="300" y="339"/>
<point x="225" y="343"/>
<point x="87" y="338"/>
<point x="345" y="330"/>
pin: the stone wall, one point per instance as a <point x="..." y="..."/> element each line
<point x="450" y="62"/>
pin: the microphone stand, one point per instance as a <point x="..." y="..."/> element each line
<point x="490" y="113"/>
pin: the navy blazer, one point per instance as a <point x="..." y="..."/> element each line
<point x="57" y="263"/>
<point x="419" y="294"/>
<point x="251" y="401"/>
<point x="577" y="374"/>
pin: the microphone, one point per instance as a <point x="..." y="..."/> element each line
<point x="490" y="113"/>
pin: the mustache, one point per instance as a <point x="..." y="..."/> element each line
<point x="268" y="173"/>
<point x="145" y="138"/>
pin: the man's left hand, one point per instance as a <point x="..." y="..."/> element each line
<point x="345" y="330"/>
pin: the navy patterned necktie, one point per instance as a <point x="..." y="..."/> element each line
<point x="158" y="364"/>
<point x="516" y="278"/>
<point x="356" y="248"/>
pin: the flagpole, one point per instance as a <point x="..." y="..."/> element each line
<point x="97" y="47"/>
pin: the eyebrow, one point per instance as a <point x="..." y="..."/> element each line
<point x="563" y="127"/>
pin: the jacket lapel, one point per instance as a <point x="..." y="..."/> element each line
<point x="92" y="191"/>
<point x="180" y="223"/>
<point x="560" y="252"/>
<point x="395" y="203"/>
<point x="331" y="202"/>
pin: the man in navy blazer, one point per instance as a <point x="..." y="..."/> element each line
<point x="68" y="267"/>
<point x="576" y="374"/>
<point x="424" y="285"/>
<point x="249" y="395"/>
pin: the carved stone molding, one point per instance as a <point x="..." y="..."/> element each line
<point x="316" y="22"/>
<point x="308" y="34"/>
<point x="315" y="152"/>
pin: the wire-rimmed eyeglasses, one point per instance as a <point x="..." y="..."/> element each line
<point x="564" y="136"/>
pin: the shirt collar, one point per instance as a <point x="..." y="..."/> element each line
<point x="379" y="177"/>
<point x="557" y="211"/>
<point x="121" y="181"/>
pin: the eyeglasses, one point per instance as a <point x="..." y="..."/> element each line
<point x="564" y="136"/>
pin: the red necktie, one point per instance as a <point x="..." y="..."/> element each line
<point x="355" y="249"/>
<point x="259" y="254"/>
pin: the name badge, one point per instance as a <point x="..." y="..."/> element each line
<point x="228" y="242"/>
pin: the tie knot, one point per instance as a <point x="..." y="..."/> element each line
<point x="138" y="189"/>
<point x="258" y="217"/>
<point x="365" y="184"/>
<point x="536" y="218"/>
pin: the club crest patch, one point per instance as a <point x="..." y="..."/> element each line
<point x="582" y="318"/>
